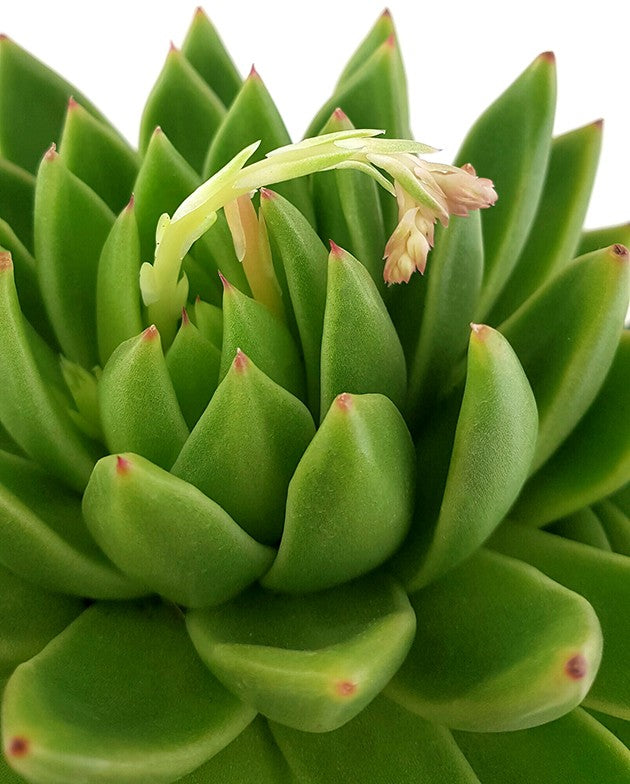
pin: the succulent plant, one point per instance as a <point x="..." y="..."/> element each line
<point x="269" y="512"/>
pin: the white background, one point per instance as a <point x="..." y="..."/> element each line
<point x="459" y="57"/>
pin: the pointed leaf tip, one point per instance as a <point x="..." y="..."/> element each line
<point x="481" y="330"/>
<point x="131" y="203"/>
<point x="241" y="361"/>
<point x="6" y="262"/>
<point x="547" y="57"/>
<point x="227" y="286"/>
<point x="51" y="152"/>
<point x="620" y="251"/>
<point x="344" y="401"/>
<point x="185" y="318"/>
<point x="386" y="14"/>
<point x="72" y="104"/>
<point x="150" y="333"/>
<point x="172" y="49"/>
<point x="253" y="73"/>
<point x="266" y="193"/>
<point x="339" y="114"/>
<point x="335" y="250"/>
<point x="122" y="465"/>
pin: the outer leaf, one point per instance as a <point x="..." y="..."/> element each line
<point x="555" y="232"/>
<point x="304" y="261"/>
<point x="253" y="116"/>
<point x="204" y="50"/>
<point x="139" y="408"/>
<point x="185" y="107"/>
<point x="44" y="538"/>
<point x="310" y="662"/>
<point x="17" y="195"/>
<point x="363" y="456"/>
<point x="510" y="144"/>
<point x="574" y="748"/>
<point x="566" y="336"/>
<point x="499" y="647"/>
<point x="29" y="618"/>
<point x="118" y="305"/>
<point x="604" y="579"/>
<point x="618" y="727"/>
<point x="594" y="461"/>
<point x="30" y="409"/>
<point x="595" y="239"/>
<point x="249" y="415"/>
<point x="383" y="743"/>
<point x="98" y="156"/>
<point x="616" y="525"/>
<point x="119" y="696"/>
<point x="248" y="325"/>
<point x="493" y="448"/>
<point x="71" y="225"/>
<point x="33" y="101"/>
<point x="380" y="32"/>
<point x="361" y="351"/>
<point x="165" y="533"/>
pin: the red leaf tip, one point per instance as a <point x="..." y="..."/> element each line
<point x="18" y="747"/>
<point x="339" y="114"/>
<point x="241" y="361"/>
<point x="185" y="318"/>
<point x="150" y="333"/>
<point x="344" y="401"/>
<point x="621" y="252"/>
<point x="345" y="688"/>
<point x="172" y="49"/>
<point x="72" y="104"/>
<point x="6" y="262"/>
<point x="51" y="152"/>
<point x="547" y="57"/>
<point x="253" y="73"/>
<point x="577" y="667"/>
<point x="481" y="330"/>
<point x="122" y="465"/>
<point x="335" y="250"/>
<point x="227" y="286"/>
<point x="265" y="193"/>
<point x="131" y="203"/>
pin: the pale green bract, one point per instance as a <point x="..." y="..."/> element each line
<point x="266" y="519"/>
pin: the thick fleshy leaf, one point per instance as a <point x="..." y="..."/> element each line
<point x="119" y="696"/>
<point x="165" y="533"/>
<point x="209" y="321"/>
<point x="139" y="408"/>
<point x="595" y="239"/>
<point x="582" y="526"/>
<point x="33" y="101"/>
<point x="30" y="408"/>
<point x="253" y="757"/>
<point x="249" y="415"/>
<point x="205" y="51"/>
<point x="616" y="524"/>
<point x="510" y="143"/>
<point x="185" y="107"/>
<point x="71" y="226"/>
<point x="362" y="457"/>
<point x="378" y="34"/>
<point x="493" y="448"/>
<point x="555" y="232"/>
<point x="118" y="303"/>
<point x="193" y="363"/>
<point x="575" y="748"/>
<point x="618" y="727"/>
<point x="348" y="210"/>
<point x="17" y="197"/>
<point x="44" y="537"/>
<point x="98" y="156"/>
<point x="566" y="337"/>
<point x="361" y="351"/>
<point x="384" y="743"/>
<point x="311" y="662"/>
<point x="29" y="619"/>
<point x="433" y="313"/>
<point x="594" y="461"/>
<point x="604" y="579"/>
<point x="499" y="647"/>
<point x="253" y="116"/>
<point x="248" y="325"/>
<point x="304" y="261"/>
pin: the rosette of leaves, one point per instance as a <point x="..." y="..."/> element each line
<point x="324" y="530"/>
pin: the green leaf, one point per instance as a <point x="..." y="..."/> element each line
<point x="493" y="448"/>
<point x="310" y="662"/>
<point x="304" y="261"/>
<point x="499" y="647"/>
<point x="71" y="226"/>
<point x="185" y="107"/>
<point x="119" y="696"/>
<point x="33" y="413"/>
<point x="510" y="143"/>
<point x="361" y="351"/>
<point x="205" y="51"/>
<point x="29" y="618"/>
<point x="434" y="313"/>
<point x="616" y="525"/>
<point x="362" y="460"/>
<point x="248" y="325"/>
<point x="33" y="101"/>
<point x="249" y="415"/>
<point x="209" y="321"/>
<point x="99" y="156"/>
<point x="44" y="537"/>
<point x="379" y="33"/>
<point x="604" y="579"/>
<point x="164" y="533"/>
<point x="566" y="336"/>
<point x="618" y="727"/>
<point x="252" y="757"/>
<point x="17" y="197"/>
<point x="193" y="364"/>
<point x="574" y="748"/>
<point x="595" y="239"/>
<point x="594" y="461"/>
<point x="253" y="116"/>
<point x="555" y="232"/>
<point x="582" y="526"/>
<point x="118" y="302"/>
<point x="384" y="743"/>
